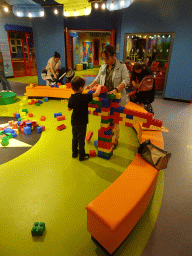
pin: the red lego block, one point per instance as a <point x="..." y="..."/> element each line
<point x="15" y="126"/>
<point x="60" y="118"/>
<point x="61" y="127"/>
<point x="43" y="118"/>
<point x="34" y="123"/>
<point x="93" y="106"/>
<point x="105" y="117"/>
<point x="128" y="125"/>
<point x="157" y="123"/>
<point x="14" y="114"/>
<point x="105" y="145"/>
<point x="105" y="109"/>
<point x="115" y="104"/>
<point x="22" y="130"/>
<point x="30" y="114"/>
<point x="29" y="103"/>
<point x="43" y="127"/>
<point x="92" y="153"/>
<point x="102" y="135"/>
<point x="95" y="113"/>
<point x="103" y="88"/>
<point x="89" y="136"/>
<point x="89" y="111"/>
<point x="10" y="123"/>
<point x="68" y="85"/>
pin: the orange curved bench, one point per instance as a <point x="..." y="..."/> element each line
<point x="47" y="91"/>
<point x="114" y="213"/>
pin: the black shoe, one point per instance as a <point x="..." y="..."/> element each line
<point x="86" y="156"/>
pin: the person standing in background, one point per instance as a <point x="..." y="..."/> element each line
<point x="3" y="79"/>
<point x="53" y="65"/>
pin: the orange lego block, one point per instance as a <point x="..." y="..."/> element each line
<point x="43" y="127"/>
<point x="89" y="136"/>
<point x="43" y="118"/>
<point x="60" y="118"/>
<point x="92" y="153"/>
<point x="30" y="114"/>
<point x="61" y="127"/>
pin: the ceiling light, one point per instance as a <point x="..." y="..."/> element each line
<point x="112" y="5"/>
<point x="75" y="13"/>
<point x="103" y="6"/>
<point x="29" y="14"/>
<point x="128" y="37"/>
<point x="66" y="13"/>
<point x="122" y="3"/>
<point x="6" y="9"/>
<point x="55" y="11"/>
<point x="42" y="13"/>
<point x="96" y="5"/>
<point x="18" y="13"/>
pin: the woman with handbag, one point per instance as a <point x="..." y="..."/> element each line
<point x="142" y="94"/>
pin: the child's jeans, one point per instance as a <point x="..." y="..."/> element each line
<point x="79" y="133"/>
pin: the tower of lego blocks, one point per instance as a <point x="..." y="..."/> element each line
<point x="108" y="107"/>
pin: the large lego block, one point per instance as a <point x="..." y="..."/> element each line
<point x="38" y="229"/>
<point x="105" y="145"/>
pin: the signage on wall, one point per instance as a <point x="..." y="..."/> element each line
<point x="4" y="48"/>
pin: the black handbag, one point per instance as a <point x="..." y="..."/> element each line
<point x="154" y="155"/>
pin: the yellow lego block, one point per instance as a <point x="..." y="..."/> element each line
<point x="105" y="113"/>
<point x="105" y="125"/>
<point x="139" y="119"/>
<point x="126" y="120"/>
<point x="118" y="95"/>
<point x="106" y="150"/>
<point x="96" y="99"/>
<point x="122" y="115"/>
<point x="16" y="131"/>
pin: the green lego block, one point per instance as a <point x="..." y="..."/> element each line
<point x="19" y="119"/>
<point x="1" y="132"/>
<point x="108" y="154"/>
<point x="38" y="229"/>
<point x="38" y="104"/>
<point x="106" y="121"/>
<point x="5" y="142"/>
<point x="9" y="135"/>
<point x="111" y="96"/>
<point x="105" y="140"/>
<point x="96" y="102"/>
<point x="24" y="110"/>
<point x="5" y="138"/>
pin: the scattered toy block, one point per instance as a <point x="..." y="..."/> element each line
<point x="34" y="123"/>
<point x="9" y="135"/>
<point x="17" y="116"/>
<point x="89" y="136"/>
<point x="38" y="229"/>
<point x="43" y="118"/>
<point x="39" y="129"/>
<point x="5" y="143"/>
<point x="14" y="114"/>
<point x="43" y="127"/>
<point x="46" y="99"/>
<point x="92" y="153"/>
<point x="27" y="130"/>
<point x="30" y="114"/>
<point x="29" y="124"/>
<point x="61" y="127"/>
<point x="60" y="118"/>
<point x="38" y="104"/>
<point x="57" y="114"/>
<point x="40" y="101"/>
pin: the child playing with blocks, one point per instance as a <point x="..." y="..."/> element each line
<point x="79" y="118"/>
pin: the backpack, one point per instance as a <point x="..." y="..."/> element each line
<point x="146" y="84"/>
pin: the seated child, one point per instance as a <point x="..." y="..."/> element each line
<point x="79" y="118"/>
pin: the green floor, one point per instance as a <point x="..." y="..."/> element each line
<point x="46" y="184"/>
<point x="34" y="79"/>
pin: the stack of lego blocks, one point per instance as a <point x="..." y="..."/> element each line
<point x="103" y="105"/>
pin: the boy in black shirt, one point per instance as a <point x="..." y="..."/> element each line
<point x="79" y="118"/>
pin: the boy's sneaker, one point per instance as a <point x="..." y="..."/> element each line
<point x="10" y="91"/>
<point x="3" y="91"/>
<point x="149" y="109"/>
<point x="86" y="156"/>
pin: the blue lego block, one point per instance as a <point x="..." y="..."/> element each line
<point x="105" y="103"/>
<point x="103" y="95"/>
<point x="56" y="86"/>
<point x="29" y="124"/>
<point x="129" y="116"/>
<point x="52" y="86"/>
<point x="40" y="101"/>
<point x="39" y="129"/>
<point x="8" y="130"/>
<point x="18" y="122"/>
<point x="96" y="144"/>
<point x="90" y="92"/>
<point x="101" y="155"/>
<point x="27" y="130"/>
<point x="98" y="110"/>
<point x="17" y="116"/>
<point x="119" y="109"/>
<point x="46" y="99"/>
<point x="117" y="100"/>
<point x="111" y="124"/>
<point x="109" y="132"/>
<point x="112" y="110"/>
<point x="57" y="114"/>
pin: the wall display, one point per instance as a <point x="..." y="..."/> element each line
<point x="4" y="48"/>
<point x="87" y="52"/>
